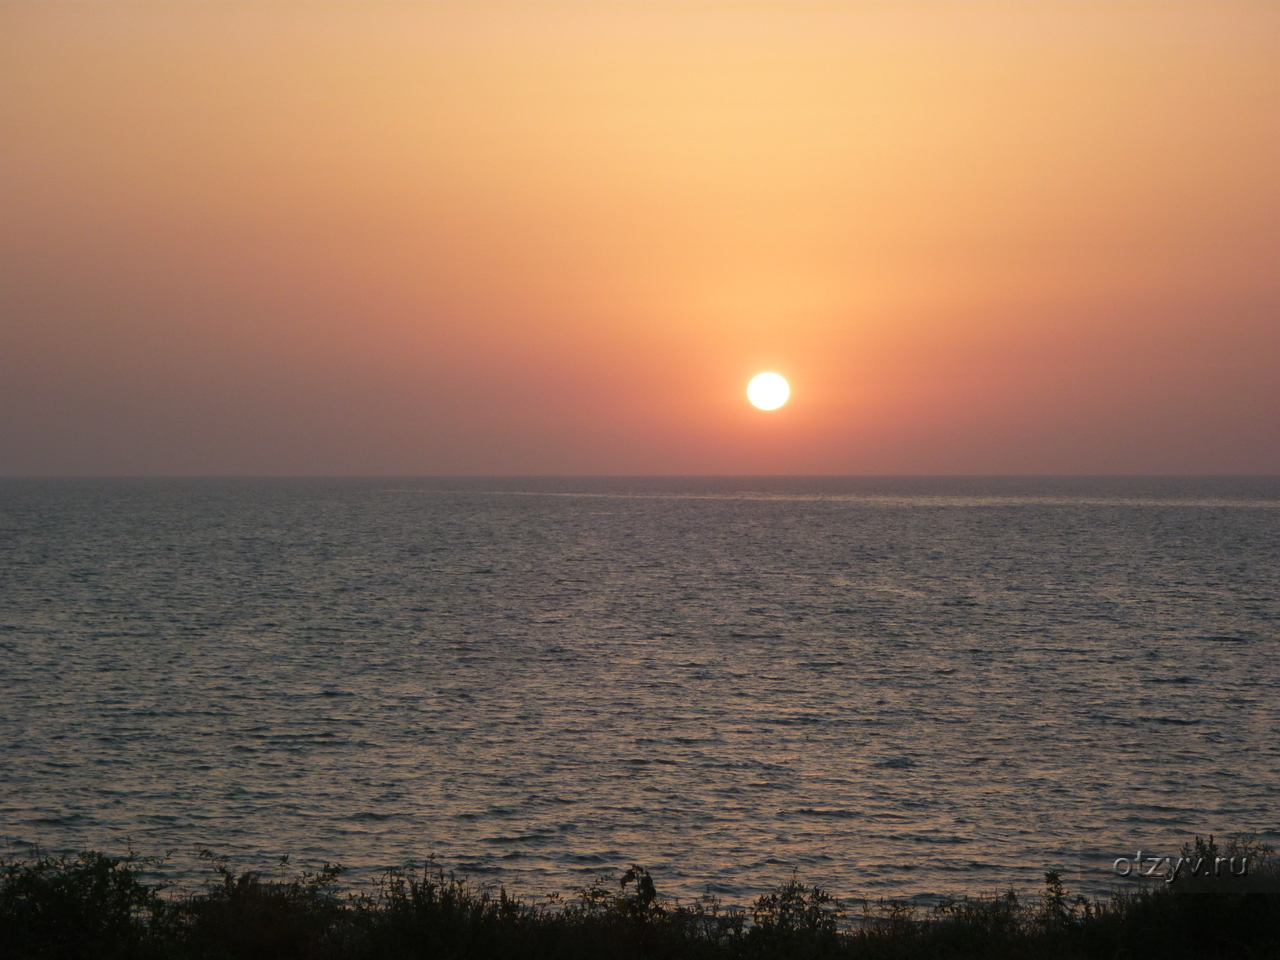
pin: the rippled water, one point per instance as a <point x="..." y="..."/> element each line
<point x="894" y="687"/>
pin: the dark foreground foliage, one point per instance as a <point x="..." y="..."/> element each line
<point x="100" y="907"/>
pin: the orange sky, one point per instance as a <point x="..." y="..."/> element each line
<point x="481" y="238"/>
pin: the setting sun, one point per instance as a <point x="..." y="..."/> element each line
<point x="768" y="391"/>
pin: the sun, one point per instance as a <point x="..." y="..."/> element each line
<point x="768" y="391"/>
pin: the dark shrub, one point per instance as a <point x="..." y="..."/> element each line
<point x="91" y="907"/>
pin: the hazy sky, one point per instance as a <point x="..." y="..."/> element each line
<point x="483" y="238"/>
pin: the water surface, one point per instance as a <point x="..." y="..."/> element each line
<point x="891" y="686"/>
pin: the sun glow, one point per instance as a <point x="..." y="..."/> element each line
<point x="768" y="391"/>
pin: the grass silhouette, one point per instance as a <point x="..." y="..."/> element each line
<point x="96" y="906"/>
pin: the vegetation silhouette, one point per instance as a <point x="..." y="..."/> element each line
<point x="96" y="906"/>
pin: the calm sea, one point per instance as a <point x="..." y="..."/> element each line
<point x="891" y="686"/>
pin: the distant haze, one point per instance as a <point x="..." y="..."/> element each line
<point x="481" y="238"/>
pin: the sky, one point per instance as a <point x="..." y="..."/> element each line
<point x="433" y="238"/>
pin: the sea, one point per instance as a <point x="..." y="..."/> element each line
<point x="887" y="687"/>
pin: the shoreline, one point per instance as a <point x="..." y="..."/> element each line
<point x="100" y="906"/>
